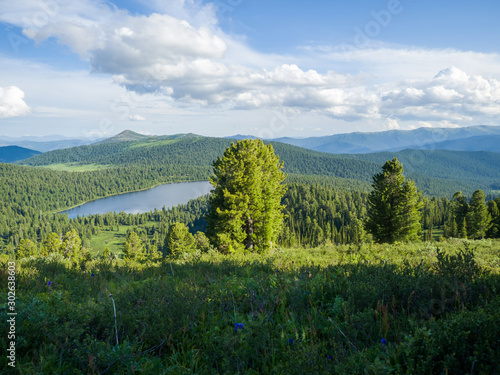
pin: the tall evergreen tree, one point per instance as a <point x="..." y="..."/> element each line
<point x="133" y="248"/>
<point x="51" y="244"/>
<point x="478" y="216"/>
<point x="393" y="206"/>
<point x="460" y="211"/>
<point x="26" y="249"/>
<point x="71" y="245"/>
<point x="494" y="230"/>
<point x="179" y="240"/>
<point x="245" y="209"/>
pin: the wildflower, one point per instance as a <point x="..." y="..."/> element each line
<point x="330" y="357"/>
<point x="291" y="341"/>
<point x="49" y="283"/>
<point x="238" y="326"/>
<point x="383" y="341"/>
<point x="92" y="275"/>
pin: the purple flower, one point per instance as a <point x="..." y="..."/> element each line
<point x="330" y="357"/>
<point x="49" y="283"/>
<point x="92" y="275"/>
<point x="238" y="326"/>
<point x="383" y="341"/>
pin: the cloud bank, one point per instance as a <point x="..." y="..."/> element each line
<point x="183" y="56"/>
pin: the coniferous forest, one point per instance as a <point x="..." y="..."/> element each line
<point x="298" y="262"/>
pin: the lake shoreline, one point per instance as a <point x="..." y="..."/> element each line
<point x="64" y="211"/>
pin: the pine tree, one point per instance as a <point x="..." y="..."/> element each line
<point x="245" y="210"/>
<point x="393" y="206"/>
<point x="460" y="211"/>
<point x="133" y="248"/>
<point x="462" y="229"/>
<point x="179" y="240"/>
<point x="26" y="249"/>
<point x="71" y="245"/>
<point x="494" y="230"/>
<point x="478" y="216"/>
<point x="51" y="244"/>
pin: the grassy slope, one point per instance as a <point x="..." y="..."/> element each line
<point x="323" y="310"/>
<point x="75" y="167"/>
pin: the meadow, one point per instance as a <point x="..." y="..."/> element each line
<point x="419" y="308"/>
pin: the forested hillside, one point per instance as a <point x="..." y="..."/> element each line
<point x="437" y="173"/>
<point x="460" y="169"/>
<point x="201" y="151"/>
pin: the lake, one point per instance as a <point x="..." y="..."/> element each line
<point x="168" y="195"/>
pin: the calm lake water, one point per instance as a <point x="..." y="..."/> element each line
<point x="168" y="195"/>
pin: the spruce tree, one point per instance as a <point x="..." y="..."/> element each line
<point x="179" y="240"/>
<point x="133" y="248"/>
<point x="462" y="229"/>
<point x="245" y="210"/>
<point x="26" y="249"/>
<point x="71" y="245"/>
<point x="460" y="211"/>
<point x="51" y="244"/>
<point x="393" y="206"/>
<point x="478" y="216"/>
<point x="494" y="230"/>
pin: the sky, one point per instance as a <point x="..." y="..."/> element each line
<point x="275" y="68"/>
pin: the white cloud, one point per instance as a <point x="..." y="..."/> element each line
<point x="450" y="95"/>
<point x="177" y="53"/>
<point x="392" y="124"/>
<point x="12" y="102"/>
<point x="387" y="63"/>
<point x="136" y="118"/>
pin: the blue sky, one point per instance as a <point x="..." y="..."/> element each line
<point x="90" y="68"/>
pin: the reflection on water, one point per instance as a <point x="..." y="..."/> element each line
<point x="168" y="195"/>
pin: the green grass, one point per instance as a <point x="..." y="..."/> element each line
<point x="113" y="240"/>
<point x="288" y="311"/>
<point x="76" y="167"/>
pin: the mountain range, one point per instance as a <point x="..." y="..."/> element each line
<point x="45" y="143"/>
<point x="473" y="138"/>
<point x="436" y="172"/>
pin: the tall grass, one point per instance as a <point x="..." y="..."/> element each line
<point x="369" y="309"/>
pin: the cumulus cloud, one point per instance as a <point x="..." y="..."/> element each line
<point x="178" y="52"/>
<point x="451" y="94"/>
<point x="136" y="118"/>
<point x="12" y="102"/>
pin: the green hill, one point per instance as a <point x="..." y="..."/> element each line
<point x="191" y="150"/>
<point x="11" y="154"/>
<point x="460" y="168"/>
<point x="437" y="173"/>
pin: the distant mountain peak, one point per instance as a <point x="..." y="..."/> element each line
<point x="126" y="136"/>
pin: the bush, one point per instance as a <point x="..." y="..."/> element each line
<point x="467" y="342"/>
